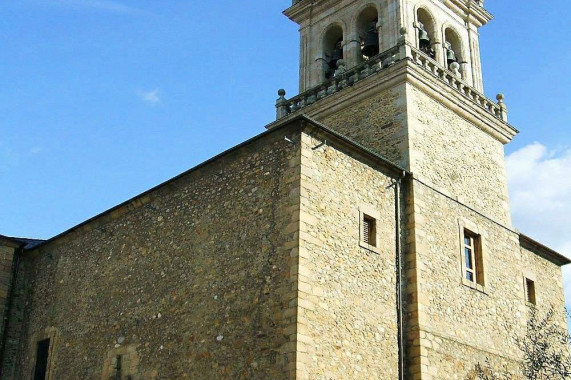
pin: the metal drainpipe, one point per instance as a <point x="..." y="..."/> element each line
<point x="398" y="260"/>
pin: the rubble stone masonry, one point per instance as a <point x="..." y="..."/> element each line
<point x="347" y="292"/>
<point x="193" y="279"/>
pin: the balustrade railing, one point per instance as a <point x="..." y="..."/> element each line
<point x="346" y="78"/>
<point x="342" y="79"/>
<point x="453" y="80"/>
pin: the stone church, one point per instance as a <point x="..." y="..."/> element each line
<point x="366" y="234"/>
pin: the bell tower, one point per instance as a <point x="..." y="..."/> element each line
<point x="355" y="31"/>
<point x="403" y="78"/>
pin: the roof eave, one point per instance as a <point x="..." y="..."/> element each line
<point x="542" y="250"/>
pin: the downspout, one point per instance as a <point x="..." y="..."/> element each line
<point x="8" y="306"/>
<point x="398" y="262"/>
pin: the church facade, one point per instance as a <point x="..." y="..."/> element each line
<point x="366" y="234"/>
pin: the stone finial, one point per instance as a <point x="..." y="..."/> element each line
<point x="281" y="104"/>
<point x="455" y="67"/>
<point x="402" y="32"/>
<point x="503" y="107"/>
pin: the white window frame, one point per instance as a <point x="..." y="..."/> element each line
<point x="480" y="266"/>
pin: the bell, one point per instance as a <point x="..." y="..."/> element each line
<point x="450" y="56"/>
<point x="336" y="55"/>
<point x="371" y="44"/>
<point x="423" y="39"/>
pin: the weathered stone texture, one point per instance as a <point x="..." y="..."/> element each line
<point x="460" y="326"/>
<point x="548" y="280"/>
<point x="456" y="156"/>
<point x="347" y="294"/>
<point x="196" y="275"/>
<point x="378" y="123"/>
<point x="6" y="261"/>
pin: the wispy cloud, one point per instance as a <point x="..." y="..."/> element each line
<point x="540" y="192"/>
<point x="102" y="5"/>
<point x="152" y="98"/>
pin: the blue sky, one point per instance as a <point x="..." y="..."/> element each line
<point x="101" y="100"/>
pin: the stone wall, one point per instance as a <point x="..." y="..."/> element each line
<point x="190" y="280"/>
<point x="548" y="280"/>
<point x="454" y="326"/>
<point x="6" y="269"/>
<point x="347" y="313"/>
<point x="456" y="156"/>
<point x="377" y="122"/>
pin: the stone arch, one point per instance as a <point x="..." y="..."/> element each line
<point x="453" y="41"/>
<point x="425" y="20"/>
<point x="367" y="20"/>
<point x="332" y="40"/>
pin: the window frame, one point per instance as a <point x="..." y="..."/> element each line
<point x="470" y="230"/>
<point x="50" y="334"/>
<point x="368" y="212"/>
<point x="527" y="278"/>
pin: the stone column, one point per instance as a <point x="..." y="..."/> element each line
<point x="353" y="50"/>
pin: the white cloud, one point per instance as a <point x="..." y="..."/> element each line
<point x="540" y="193"/>
<point x="152" y="98"/>
<point x="104" y="5"/>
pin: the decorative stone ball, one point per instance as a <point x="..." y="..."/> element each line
<point x="455" y="66"/>
<point x="500" y="98"/>
<point x="281" y="92"/>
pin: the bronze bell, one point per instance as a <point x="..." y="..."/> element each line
<point x="371" y="44"/>
<point x="336" y="55"/>
<point x="423" y="39"/>
<point x="450" y="56"/>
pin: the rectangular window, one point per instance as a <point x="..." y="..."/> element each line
<point x="530" y="291"/>
<point x="369" y="230"/>
<point x="42" y="355"/>
<point x="472" y="256"/>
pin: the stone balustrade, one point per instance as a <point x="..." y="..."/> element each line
<point x="342" y="79"/>
<point x="452" y="78"/>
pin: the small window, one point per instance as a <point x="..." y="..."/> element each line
<point x="472" y="258"/>
<point x="530" y="291"/>
<point x="369" y="230"/>
<point x="42" y="356"/>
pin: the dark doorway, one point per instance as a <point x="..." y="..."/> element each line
<point x="42" y="354"/>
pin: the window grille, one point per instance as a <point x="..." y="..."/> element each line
<point x="369" y="233"/>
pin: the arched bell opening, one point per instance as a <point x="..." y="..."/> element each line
<point x="425" y="32"/>
<point x="332" y="50"/>
<point x="368" y="33"/>
<point x="453" y="48"/>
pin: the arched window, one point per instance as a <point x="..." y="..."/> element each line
<point x="368" y="33"/>
<point x="425" y="27"/>
<point x="453" y="47"/>
<point x="332" y="50"/>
